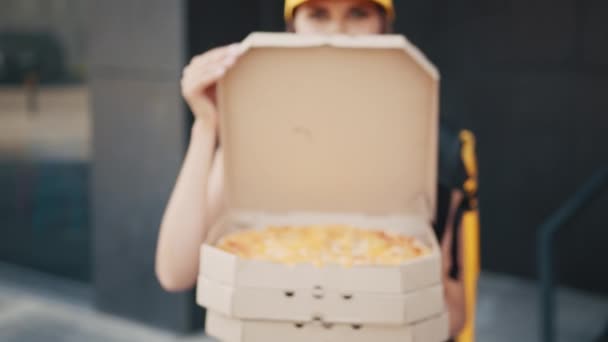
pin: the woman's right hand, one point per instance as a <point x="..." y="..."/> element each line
<point x="199" y="81"/>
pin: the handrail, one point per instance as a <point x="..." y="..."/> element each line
<point x="546" y="233"/>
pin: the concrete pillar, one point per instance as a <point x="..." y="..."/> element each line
<point x="136" y="52"/>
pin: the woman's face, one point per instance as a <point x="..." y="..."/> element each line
<point x="352" y="17"/>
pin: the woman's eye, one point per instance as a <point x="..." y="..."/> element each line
<point x="359" y="13"/>
<point x="319" y="14"/>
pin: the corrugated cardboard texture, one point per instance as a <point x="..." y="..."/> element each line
<point x="231" y="330"/>
<point x="311" y="304"/>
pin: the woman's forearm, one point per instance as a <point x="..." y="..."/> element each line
<point x="183" y="226"/>
<point x="454" y="288"/>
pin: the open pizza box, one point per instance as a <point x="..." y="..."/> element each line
<point x="327" y="130"/>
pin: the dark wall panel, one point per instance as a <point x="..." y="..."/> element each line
<point x="530" y="79"/>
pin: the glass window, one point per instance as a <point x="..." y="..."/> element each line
<point x="45" y="133"/>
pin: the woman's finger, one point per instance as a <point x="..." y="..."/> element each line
<point x="226" y="53"/>
<point x="195" y="84"/>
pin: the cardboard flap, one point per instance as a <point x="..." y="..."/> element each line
<point x="330" y="124"/>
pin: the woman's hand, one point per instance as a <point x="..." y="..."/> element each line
<point x="454" y="296"/>
<point x="454" y="288"/>
<point x="197" y="196"/>
<point x="199" y="81"/>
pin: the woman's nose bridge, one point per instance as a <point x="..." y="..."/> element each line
<point x="337" y="26"/>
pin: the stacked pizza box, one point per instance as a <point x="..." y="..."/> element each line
<point x="327" y="131"/>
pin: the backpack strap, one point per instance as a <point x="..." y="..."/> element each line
<point x="469" y="161"/>
<point x="470" y="234"/>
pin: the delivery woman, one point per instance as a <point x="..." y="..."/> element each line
<point x="197" y="199"/>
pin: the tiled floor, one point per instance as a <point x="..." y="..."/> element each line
<point x="35" y="307"/>
<point x="508" y="311"/>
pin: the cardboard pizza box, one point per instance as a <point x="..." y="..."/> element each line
<point x="327" y="130"/>
<point x="315" y="304"/>
<point x="435" y="329"/>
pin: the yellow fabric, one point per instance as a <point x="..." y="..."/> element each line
<point x="471" y="241"/>
<point x="290" y="6"/>
<point x="470" y="275"/>
<point x="470" y="164"/>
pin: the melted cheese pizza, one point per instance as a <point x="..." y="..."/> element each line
<point x="322" y="245"/>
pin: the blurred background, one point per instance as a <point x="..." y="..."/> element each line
<point x="93" y="130"/>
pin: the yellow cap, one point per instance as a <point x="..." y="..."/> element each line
<point x="290" y="6"/>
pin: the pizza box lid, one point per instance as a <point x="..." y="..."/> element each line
<point x="330" y="124"/>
